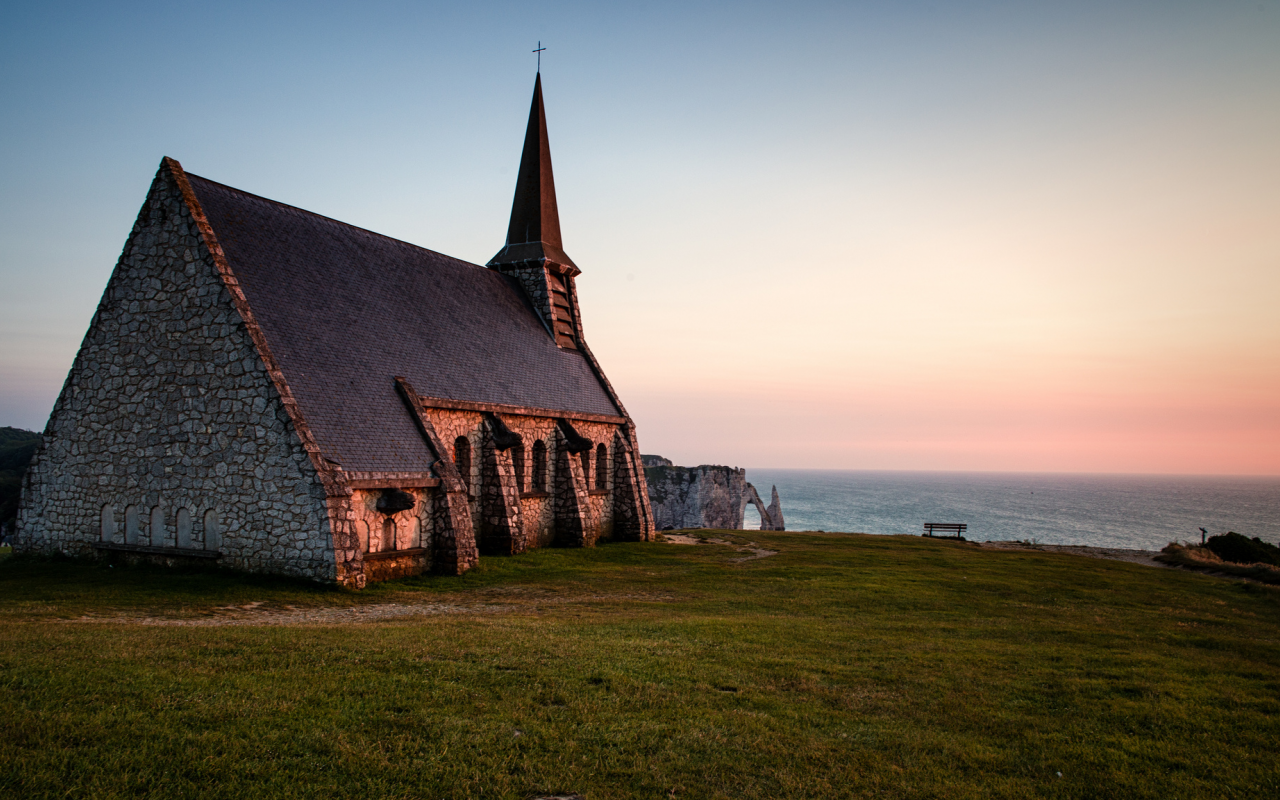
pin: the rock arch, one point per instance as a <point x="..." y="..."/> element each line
<point x="771" y="517"/>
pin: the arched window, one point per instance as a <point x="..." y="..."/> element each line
<point x="602" y="466"/>
<point x="132" y="526"/>
<point x="183" y="527"/>
<point x="539" y="466"/>
<point x="362" y="530"/>
<point x="517" y="461"/>
<point x="157" y="527"/>
<point x="108" y="523"/>
<point x="462" y="460"/>
<point x="212" y="530"/>
<point x="388" y="534"/>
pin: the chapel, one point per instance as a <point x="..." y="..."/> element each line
<point x="267" y="389"/>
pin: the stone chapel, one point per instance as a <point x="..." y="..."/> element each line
<point x="267" y="389"/>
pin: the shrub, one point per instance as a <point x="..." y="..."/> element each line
<point x="1194" y="556"/>
<point x="1231" y="546"/>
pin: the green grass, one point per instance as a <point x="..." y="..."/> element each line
<point x="844" y="666"/>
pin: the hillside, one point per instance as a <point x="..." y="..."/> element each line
<point x="841" y="666"/>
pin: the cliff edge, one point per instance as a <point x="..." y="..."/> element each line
<point x="706" y="496"/>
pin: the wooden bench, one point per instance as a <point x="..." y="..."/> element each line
<point x="955" y="529"/>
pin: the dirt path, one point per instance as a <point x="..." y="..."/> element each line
<point x="749" y="547"/>
<point x="496" y="601"/>
<point x="251" y="614"/>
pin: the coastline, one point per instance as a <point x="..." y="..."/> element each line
<point x="1103" y="511"/>
<point x="1130" y="555"/>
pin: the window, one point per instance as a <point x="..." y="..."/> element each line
<point x="183" y="526"/>
<point x="540" y="466"/>
<point x="517" y="461"/>
<point x="602" y="466"/>
<point x="108" y="523"/>
<point x="362" y="531"/>
<point x="212" y="530"/>
<point x="132" y="529"/>
<point x="388" y="534"/>
<point x="462" y="460"/>
<point x="157" y="527"/>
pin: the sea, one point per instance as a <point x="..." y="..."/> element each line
<point x="1144" y="512"/>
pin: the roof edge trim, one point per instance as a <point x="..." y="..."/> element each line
<point x="519" y="411"/>
<point x="321" y="465"/>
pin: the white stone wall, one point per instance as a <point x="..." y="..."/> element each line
<point x="169" y="410"/>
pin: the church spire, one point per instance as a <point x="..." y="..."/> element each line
<point x="534" y="232"/>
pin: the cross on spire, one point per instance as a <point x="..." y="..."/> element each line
<point x="539" y="52"/>
<point x="534" y="232"/>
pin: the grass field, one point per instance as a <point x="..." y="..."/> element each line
<point x="843" y="666"/>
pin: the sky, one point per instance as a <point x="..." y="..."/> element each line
<point x="924" y="236"/>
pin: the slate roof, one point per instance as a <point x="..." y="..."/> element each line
<point x="345" y="310"/>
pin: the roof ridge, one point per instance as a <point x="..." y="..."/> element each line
<point x="300" y="210"/>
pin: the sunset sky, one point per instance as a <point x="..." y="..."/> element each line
<point x="957" y="236"/>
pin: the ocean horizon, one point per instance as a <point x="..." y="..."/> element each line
<point x="1143" y="512"/>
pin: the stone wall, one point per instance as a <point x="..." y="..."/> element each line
<point x="407" y="530"/>
<point x="495" y="482"/>
<point x="169" y="430"/>
<point x="394" y="545"/>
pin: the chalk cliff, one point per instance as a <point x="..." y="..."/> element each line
<point x="773" y="514"/>
<point x="707" y="496"/>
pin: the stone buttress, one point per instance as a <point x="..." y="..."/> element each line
<point x="501" y="530"/>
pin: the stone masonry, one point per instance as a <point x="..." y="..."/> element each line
<point x="169" y="414"/>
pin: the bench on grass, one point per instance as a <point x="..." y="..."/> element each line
<point x="950" y="530"/>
